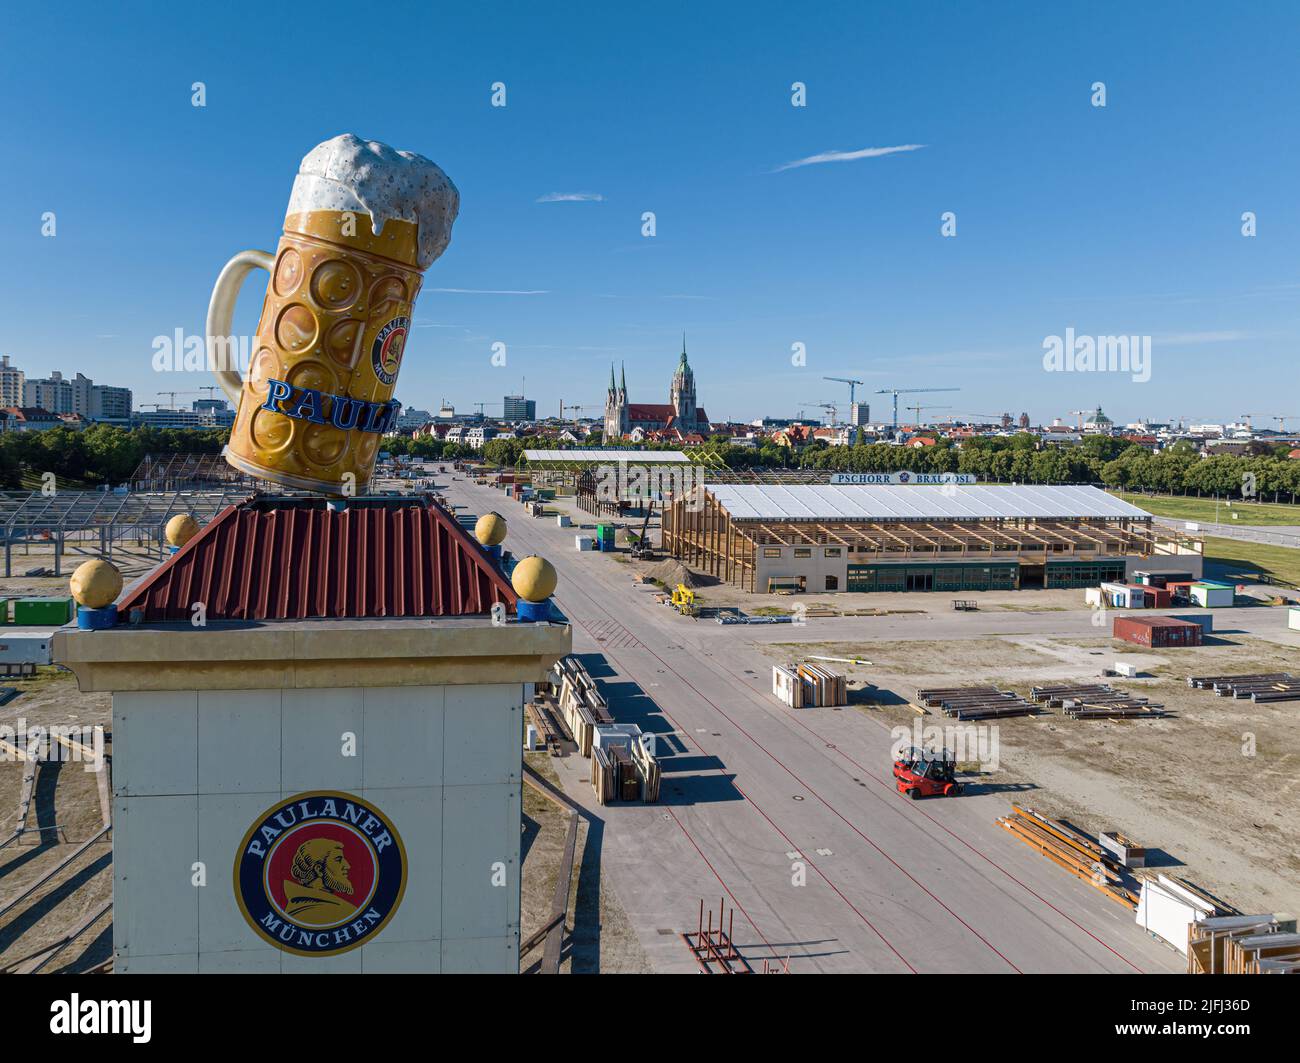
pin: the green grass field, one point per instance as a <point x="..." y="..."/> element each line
<point x="1247" y="560"/>
<point x="1202" y="509"/>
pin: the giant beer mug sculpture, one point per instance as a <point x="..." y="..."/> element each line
<point x="364" y="222"/>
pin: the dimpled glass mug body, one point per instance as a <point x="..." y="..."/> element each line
<point x="364" y="222"/>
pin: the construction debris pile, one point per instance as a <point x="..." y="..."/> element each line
<point x="1072" y="850"/>
<point x="809" y="686"/>
<point x="975" y="703"/>
<point x="1263" y="686"/>
<point x="1096" y="701"/>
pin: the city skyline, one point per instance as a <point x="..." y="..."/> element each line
<point x="775" y="225"/>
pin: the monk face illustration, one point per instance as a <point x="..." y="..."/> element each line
<point x="320" y="881"/>
<point x="393" y="353"/>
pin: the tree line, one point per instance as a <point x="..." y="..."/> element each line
<point x="107" y="455"/>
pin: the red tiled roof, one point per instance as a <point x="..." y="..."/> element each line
<point x="294" y="559"/>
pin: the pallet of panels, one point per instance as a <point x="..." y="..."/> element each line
<point x="1242" y="955"/>
<point x="603" y="779"/>
<point x="1206" y="938"/>
<point x="649" y="771"/>
<point x="822" y="686"/>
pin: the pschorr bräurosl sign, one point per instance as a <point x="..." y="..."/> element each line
<point x="938" y="478"/>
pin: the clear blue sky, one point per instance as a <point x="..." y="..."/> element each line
<point x="1117" y="220"/>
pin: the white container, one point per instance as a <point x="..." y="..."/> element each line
<point x="562" y="520"/>
<point x="1129" y="671"/>
<point x="582" y="542"/>
<point x="1293" y="618"/>
<point x="30" y="647"/>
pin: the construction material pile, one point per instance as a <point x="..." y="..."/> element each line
<point x="1262" y="686"/>
<point x="975" y="703"/>
<point x="582" y="706"/>
<point x="1243" y="944"/>
<point x="1068" y="848"/>
<point x="809" y="686"/>
<point x="1096" y="701"/>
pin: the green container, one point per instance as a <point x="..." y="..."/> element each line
<point x="47" y="612"/>
<point x="4" y="610"/>
<point x="605" y="533"/>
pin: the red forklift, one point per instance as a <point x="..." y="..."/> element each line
<point x="925" y="773"/>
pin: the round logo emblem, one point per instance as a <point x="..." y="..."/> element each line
<point x="320" y="873"/>
<point x="386" y="352"/>
<point x="904" y="477"/>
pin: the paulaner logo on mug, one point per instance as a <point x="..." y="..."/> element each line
<point x="364" y="222"/>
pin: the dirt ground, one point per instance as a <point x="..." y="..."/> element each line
<point x="601" y="939"/>
<point x="1212" y="790"/>
<point x="65" y="812"/>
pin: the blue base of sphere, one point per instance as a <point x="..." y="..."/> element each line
<point x="533" y="612"/>
<point x="494" y="552"/>
<point x="96" y="619"/>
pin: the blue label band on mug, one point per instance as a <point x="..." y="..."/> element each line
<point x="344" y="413"/>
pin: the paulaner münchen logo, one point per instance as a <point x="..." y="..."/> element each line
<point x="320" y="873"/>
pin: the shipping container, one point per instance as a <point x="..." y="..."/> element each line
<point x="1205" y="620"/>
<point x="26" y="647"/>
<point x="1213" y="595"/>
<point x="43" y="611"/>
<point x="1157" y="631"/>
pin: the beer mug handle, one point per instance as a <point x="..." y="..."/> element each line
<point x="221" y="315"/>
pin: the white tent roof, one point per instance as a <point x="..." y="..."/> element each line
<point x="917" y="502"/>
<point x="649" y="457"/>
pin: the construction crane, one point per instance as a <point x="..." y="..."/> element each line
<point x="1282" y="418"/>
<point x="172" y="395"/>
<point x="828" y="406"/>
<point x="918" y="407"/>
<point x="895" y="392"/>
<point x="851" y="383"/>
<point x="1081" y="414"/>
<point x="575" y="406"/>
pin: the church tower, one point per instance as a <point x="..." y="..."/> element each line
<point x="616" y="420"/>
<point x="682" y="395"/>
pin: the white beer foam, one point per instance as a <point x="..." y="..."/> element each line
<point x="348" y="173"/>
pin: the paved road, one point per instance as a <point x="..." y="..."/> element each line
<point x="792" y="815"/>
<point x="1270" y="534"/>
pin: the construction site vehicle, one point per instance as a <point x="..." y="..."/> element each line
<point x="925" y="773"/>
<point x="683" y="601"/>
<point x="641" y="548"/>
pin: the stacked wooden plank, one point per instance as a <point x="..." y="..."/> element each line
<point x="1095" y="701"/>
<point x="1243" y="944"/>
<point x="582" y="706"/>
<point x="624" y="773"/>
<point x="1071" y="850"/>
<point x="975" y="703"/>
<point x="1263" y="686"/>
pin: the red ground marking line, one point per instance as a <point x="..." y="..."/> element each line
<point x="750" y="801"/>
<point x="853" y="827"/>
<point x="978" y="852"/>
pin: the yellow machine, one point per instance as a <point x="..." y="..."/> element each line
<point x="684" y="600"/>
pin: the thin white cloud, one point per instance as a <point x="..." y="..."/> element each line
<point x="571" y="197"/>
<point x="489" y="291"/>
<point x="1188" y="338"/>
<point x="846" y="156"/>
